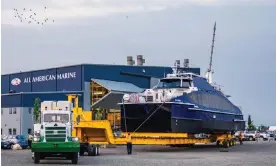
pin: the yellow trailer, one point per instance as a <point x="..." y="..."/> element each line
<point x="93" y="133"/>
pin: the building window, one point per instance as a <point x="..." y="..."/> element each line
<point x="1" y="111"/>
<point x="29" y="131"/>
<point x="10" y="131"/>
<point x="14" y="131"/>
<point x="14" y="110"/>
<point x="1" y="131"/>
<point x="10" y="110"/>
<point x="30" y="110"/>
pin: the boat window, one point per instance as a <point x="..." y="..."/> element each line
<point x="186" y="84"/>
<point x="169" y="83"/>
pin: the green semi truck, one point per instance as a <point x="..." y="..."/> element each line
<point x="53" y="135"/>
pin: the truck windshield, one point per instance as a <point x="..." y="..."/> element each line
<point x="63" y="118"/>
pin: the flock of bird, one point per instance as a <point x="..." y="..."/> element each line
<point x="29" y="16"/>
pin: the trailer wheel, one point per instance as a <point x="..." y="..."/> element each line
<point x="98" y="150"/>
<point x="226" y="143"/>
<point x="233" y="142"/>
<point x="230" y="143"/>
<point x="75" y="158"/>
<point x="92" y="150"/>
<point x="218" y="143"/>
<point x="36" y="157"/>
<point x="95" y="150"/>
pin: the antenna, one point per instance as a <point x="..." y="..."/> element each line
<point x="209" y="70"/>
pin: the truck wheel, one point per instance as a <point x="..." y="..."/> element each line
<point x="36" y="157"/>
<point x="75" y="158"/>
<point x="81" y="153"/>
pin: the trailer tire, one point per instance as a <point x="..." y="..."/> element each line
<point x="98" y="150"/>
<point x="218" y="143"/>
<point x="75" y="158"/>
<point x="95" y="150"/>
<point x="90" y="150"/>
<point x="36" y="157"/>
<point x="233" y="142"/>
<point x="226" y="143"/>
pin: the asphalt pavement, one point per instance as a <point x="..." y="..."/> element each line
<point x="261" y="153"/>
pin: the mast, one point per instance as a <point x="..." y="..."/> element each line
<point x="209" y="70"/>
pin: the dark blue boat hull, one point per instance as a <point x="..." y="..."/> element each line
<point x="180" y="118"/>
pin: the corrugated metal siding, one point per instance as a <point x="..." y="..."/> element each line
<point x="8" y="101"/>
<point x="44" y="81"/>
<point x="22" y="84"/>
<point x="27" y="99"/>
<point x="69" y="78"/>
<point x="5" y="84"/>
<point x="39" y="80"/>
<point x="55" y="79"/>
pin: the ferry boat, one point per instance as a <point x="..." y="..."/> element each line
<point x="181" y="103"/>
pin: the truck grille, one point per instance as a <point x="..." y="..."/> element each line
<point x="55" y="134"/>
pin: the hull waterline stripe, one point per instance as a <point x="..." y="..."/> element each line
<point x="198" y="109"/>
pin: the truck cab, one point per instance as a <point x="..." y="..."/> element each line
<point x="53" y="135"/>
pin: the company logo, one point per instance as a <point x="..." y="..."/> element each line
<point x="15" y="81"/>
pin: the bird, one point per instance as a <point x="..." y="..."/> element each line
<point x="34" y="14"/>
<point x="24" y="9"/>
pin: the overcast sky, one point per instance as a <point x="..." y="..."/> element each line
<point x="106" y="31"/>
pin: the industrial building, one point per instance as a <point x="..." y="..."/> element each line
<point x="99" y="86"/>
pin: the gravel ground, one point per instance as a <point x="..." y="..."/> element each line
<point x="250" y="154"/>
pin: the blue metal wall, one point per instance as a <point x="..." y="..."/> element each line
<point x="72" y="78"/>
<point x="11" y="100"/>
<point x="5" y="84"/>
<point x="56" y="79"/>
<point x="44" y="81"/>
<point x="69" y="78"/>
<point x="27" y="99"/>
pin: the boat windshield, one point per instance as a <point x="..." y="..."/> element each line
<point x="186" y="83"/>
<point x="169" y="83"/>
<point x="63" y="118"/>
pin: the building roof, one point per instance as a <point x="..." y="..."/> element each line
<point x="116" y="92"/>
<point x="117" y="86"/>
<point x="110" y="101"/>
<point x="82" y="64"/>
